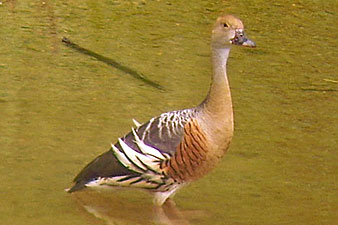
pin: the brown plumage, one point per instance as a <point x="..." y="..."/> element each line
<point x="190" y="154"/>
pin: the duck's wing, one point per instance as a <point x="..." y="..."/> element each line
<point x="138" y="158"/>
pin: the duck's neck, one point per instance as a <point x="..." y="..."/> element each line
<point x="218" y="105"/>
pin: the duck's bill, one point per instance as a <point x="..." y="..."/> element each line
<point x="241" y="39"/>
<point x="249" y="43"/>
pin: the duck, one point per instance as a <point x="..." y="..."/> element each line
<point x="178" y="147"/>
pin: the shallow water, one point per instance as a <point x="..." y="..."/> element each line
<point x="59" y="108"/>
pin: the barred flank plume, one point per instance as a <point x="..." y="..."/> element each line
<point x="145" y="163"/>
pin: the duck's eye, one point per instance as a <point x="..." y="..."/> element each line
<point x="225" y="25"/>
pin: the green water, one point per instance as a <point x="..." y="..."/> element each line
<point x="59" y="108"/>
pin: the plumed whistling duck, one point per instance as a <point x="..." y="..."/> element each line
<point x="177" y="147"/>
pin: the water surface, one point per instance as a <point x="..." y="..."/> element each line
<point x="60" y="108"/>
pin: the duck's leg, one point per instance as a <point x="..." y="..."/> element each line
<point x="169" y="214"/>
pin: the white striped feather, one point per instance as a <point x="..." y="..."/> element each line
<point x="121" y="181"/>
<point x="146" y="162"/>
<point x="124" y="160"/>
<point x="133" y="156"/>
<point x="148" y="150"/>
<point x="136" y="123"/>
<point x="143" y="161"/>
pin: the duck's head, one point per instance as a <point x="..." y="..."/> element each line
<point x="229" y="30"/>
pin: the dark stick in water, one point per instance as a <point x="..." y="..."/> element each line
<point x="111" y="62"/>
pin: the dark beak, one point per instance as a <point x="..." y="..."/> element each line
<point x="241" y="39"/>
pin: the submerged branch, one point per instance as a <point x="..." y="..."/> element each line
<point x="111" y="62"/>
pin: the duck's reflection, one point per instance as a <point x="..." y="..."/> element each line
<point x="118" y="209"/>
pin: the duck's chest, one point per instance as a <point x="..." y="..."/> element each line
<point x="197" y="153"/>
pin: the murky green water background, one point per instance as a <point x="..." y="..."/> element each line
<point x="60" y="108"/>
